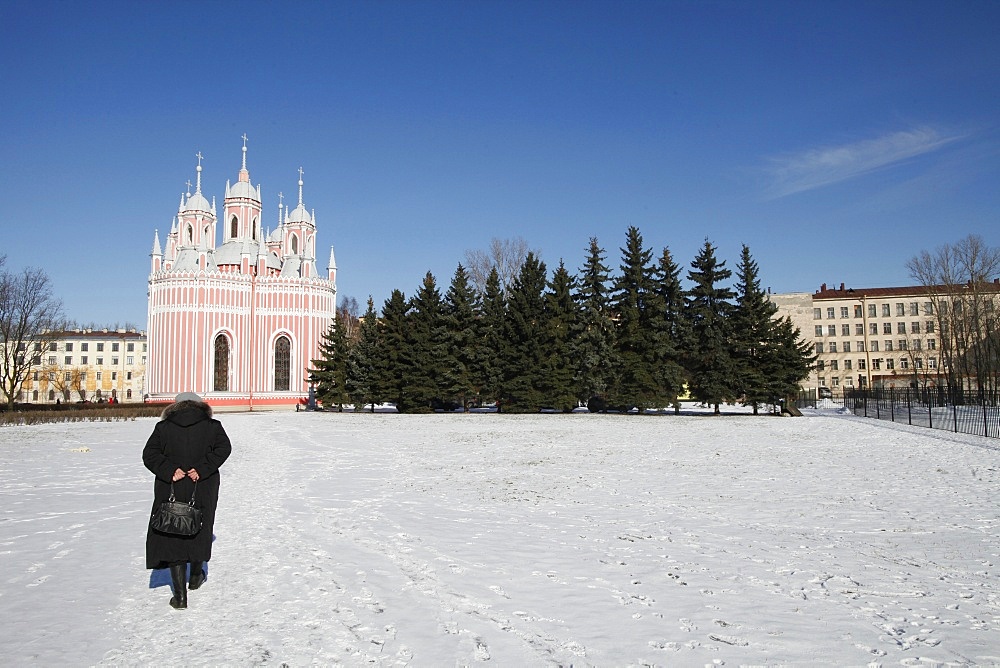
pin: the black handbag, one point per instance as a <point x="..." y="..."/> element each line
<point x="178" y="518"/>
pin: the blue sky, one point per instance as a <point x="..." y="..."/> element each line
<point x="836" y="139"/>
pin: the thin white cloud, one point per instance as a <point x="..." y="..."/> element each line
<point x="815" y="168"/>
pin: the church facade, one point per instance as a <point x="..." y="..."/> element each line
<point x="239" y="321"/>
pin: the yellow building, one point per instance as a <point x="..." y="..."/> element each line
<point x="88" y="365"/>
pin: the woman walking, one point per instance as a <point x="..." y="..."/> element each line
<point x="187" y="446"/>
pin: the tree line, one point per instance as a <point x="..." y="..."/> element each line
<point x="637" y="339"/>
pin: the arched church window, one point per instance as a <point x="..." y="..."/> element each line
<point x="282" y="363"/>
<point x="52" y="395"/>
<point x="254" y="229"/>
<point x="295" y="245"/>
<point x="190" y="234"/>
<point x="234" y="227"/>
<point x="221" y="382"/>
<point x="128" y="393"/>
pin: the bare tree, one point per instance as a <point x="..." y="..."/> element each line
<point x="958" y="278"/>
<point x="348" y="318"/>
<point x="30" y="319"/>
<point x="507" y="255"/>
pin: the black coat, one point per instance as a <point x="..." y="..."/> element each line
<point x="185" y="438"/>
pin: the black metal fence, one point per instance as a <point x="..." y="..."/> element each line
<point x="976" y="413"/>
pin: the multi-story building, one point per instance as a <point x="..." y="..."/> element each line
<point x="88" y="365"/>
<point x="874" y="337"/>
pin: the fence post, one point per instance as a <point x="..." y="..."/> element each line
<point x="909" y="408"/>
<point x="930" y="410"/>
<point x="986" y="422"/>
<point x="892" y="405"/>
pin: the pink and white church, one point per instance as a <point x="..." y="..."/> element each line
<point x="240" y="322"/>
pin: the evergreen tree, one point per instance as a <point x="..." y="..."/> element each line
<point x="752" y="325"/>
<point x="363" y="382"/>
<point x="427" y="338"/>
<point x="525" y="338"/>
<point x="329" y="372"/>
<point x="635" y="332"/>
<point x="393" y="356"/>
<point x="561" y="315"/>
<point x="787" y="359"/>
<point x="671" y="327"/>
<point x="594" y="339"/>
<point x="708" y="306"/>
<point x="461" y="305"/>
<point x="491" y="343"/>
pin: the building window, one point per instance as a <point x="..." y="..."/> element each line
<point x="916" y="344"/>
<point x="886" y="311"/>
<point x="817" y="314"/>
<point x="833" y="346"/>
<point x="100" y="361"/>
<point x="914" y="308"/>
<point x="861" y="346"/>
<point x="34" y="376"/>
<point x="829" y="309"/>
<point x="34" y="395"/>
<point x="52" y="395"/>
<point x="114" y="347"/>
<point x="835" y="381"/>
<point x="819" y="330"/>
<point x="100" y="347"/>
<point x="844" y="312"/>
<point x="857" y="310"/>
<point x="872" y="311"/>
<point x="52" y="346"/>
<point x="861" y="363"/>
<point x="928" y="308"/>
<point x="144" y="347"/>
<point x="873" y="328"/>
<point x="888" y="345"/>
<point x="887" y="328"/>
<point x="904" y="363"/>
<point x="69" y="346"/>
<point x="834" y="364"/>
<point x="901" y="328"/>
<point x="114" y="375"/>
<point x="52" y="360"/>
<point x="874" y="347"/>
<point x="820" y="366"/>
<point x="128" y="375"/>
<point x="931" y="362"/>
<point x="283" y="363"/>
<point x="128" y="393"/>
<point x="114" y="361"/>
<point x="929" y="326"/>
<point x="877" y="364"/>
<point x="918" y="362"/>
<point x="819" y="347"/>
<point x="130" y="347"/>
<point x="900" y="309"/>
<point x="221" y="378"/>
<point x="931" y="344"/>
<point x="847" y="346"/>
<point x="859" y="329"/>
<point x="98" y="377"/>
<point x="902" y="344"/>
<point x="83" y="376"/>
<point x="831" y="330"/>
<point x="847" y="365"/>
<point x="890" y="364"/>
<point x="83" y="359"/>
<point x="914" y="328"/>
<point x="68" y="360"/>
<point x="845" y="330"/>
<point x="83" y="347"/>
<point x="129" y="360"/>
<point x="234" y="227"/>
<point x="67" y="377"/>
<point x="52" y="376"/>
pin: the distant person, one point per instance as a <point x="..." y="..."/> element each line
<point x="187" y="446"/>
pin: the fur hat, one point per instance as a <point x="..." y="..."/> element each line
<point x="188" y="396"/>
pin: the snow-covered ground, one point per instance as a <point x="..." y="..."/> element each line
<point x="487" y="539"/>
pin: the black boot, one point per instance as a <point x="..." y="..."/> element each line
<point x="178" y="578"/>
<point x="197" y="574"/>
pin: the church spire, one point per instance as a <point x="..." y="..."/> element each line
<point x="197" y="188"/>
<point x="244" y="174"/>
<point x="300" y="186"/>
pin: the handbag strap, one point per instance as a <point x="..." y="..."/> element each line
<point x="173" y="498"/>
